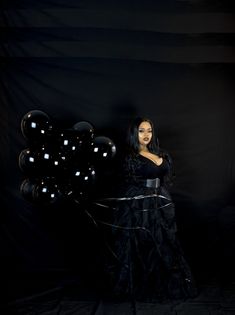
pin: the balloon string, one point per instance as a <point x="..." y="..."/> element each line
<point x="136" y="197"/>
<point x="166" y="205"/>
<point x="119" y="227"/>
<point x="144" y="210"/>
<point x="132" y="228"/>
<point x="135" y="228"/>
<point x="126" y="265"/>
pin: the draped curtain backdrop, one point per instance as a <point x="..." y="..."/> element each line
<point x="106" y="62"/>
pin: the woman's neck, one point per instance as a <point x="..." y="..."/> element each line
<point x="143" y="149"/>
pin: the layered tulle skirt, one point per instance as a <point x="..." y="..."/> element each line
<point x="145" y="259"/>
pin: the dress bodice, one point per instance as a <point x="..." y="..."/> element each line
<point x="146" y="168"/>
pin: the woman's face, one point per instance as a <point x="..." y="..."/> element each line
<point x="144" y="134"/>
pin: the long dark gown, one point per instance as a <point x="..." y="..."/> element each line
<point x="147" y="260"/>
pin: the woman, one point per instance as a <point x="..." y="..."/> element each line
<point x="147" y="260"/>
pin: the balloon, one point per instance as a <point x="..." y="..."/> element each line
<point x="69" y="141"/>
<point x="59" y="163"/>
<point x="82" y="179"/>
<point x="83" y="175"/>
<point x="36" y="125"/>
<point x="50" y="159"/>
<point x="45" y="156"/>
<point x="46" y="191"/>
<point x="84" y="131"/>
<point x="102" y="149"/>
<point x="29" y="161"/>
<point x="72" y="149"/>
<point x="65" y="186"/>
<point x="26" y="189"/>
<point x="42" y="161"/>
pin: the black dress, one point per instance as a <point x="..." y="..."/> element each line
<point x="147" y="260"/>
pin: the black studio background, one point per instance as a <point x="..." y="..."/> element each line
<point x="106" y="62"/>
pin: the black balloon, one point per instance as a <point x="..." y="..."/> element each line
<point x="61" y="161"/>
<point x="46" y="191"/>
<point x="72" y="148"/>
<point x="69" y="142"/>
<point x="29" y="161"/>
<point x="102" y="149"/>
<point x="45" y="156"/>
<point x="26" y="189"/>
<point x="51" y="160"/>
<point x="83" y="178"/>
<point x="84" y="131"/>
<point x="36" y="125"/>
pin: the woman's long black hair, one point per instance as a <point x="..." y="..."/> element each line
<point x="133" y="137"/>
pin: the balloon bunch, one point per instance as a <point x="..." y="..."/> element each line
<point x="58" y="162"/>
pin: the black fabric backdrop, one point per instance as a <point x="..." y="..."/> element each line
<point x="106" y="62"/>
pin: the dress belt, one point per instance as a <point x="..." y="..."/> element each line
<point x="153" y="182"/>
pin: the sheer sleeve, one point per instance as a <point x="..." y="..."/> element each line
<point x="170" y="175"/>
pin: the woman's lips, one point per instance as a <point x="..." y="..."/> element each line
<point x="146" y="139"/>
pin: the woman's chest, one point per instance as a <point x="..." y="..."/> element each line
<point x="149" y="169"/>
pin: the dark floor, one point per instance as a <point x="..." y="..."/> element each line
<point x="77" y="299"/>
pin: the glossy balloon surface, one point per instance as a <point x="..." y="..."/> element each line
<point x="84" y="130"/>
<point x="36" y="125"/>
<point x="102" y="148"/>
